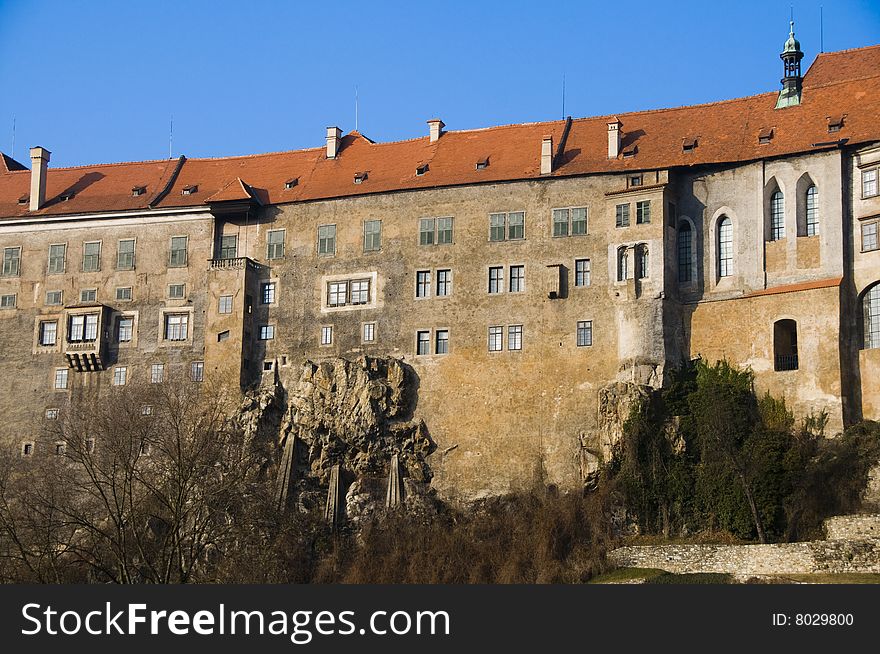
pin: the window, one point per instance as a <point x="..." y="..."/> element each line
<point x="190" y="190"/>
<point x="57" y="254"/>
<point x="372" y="235"/>
<point x="48" y="332"/>
<point x="496" y="279"/>
<point x="443" y="234"/>
<point x="426" y="231"/>
<point x="88" y="295"/>
<point x="496" y="336"/>
<point x="267" y="332"/>
<point x="275" y="244"/>
<point x="176" y="291"/>
<point x="423" y="342"/>
<point x="622" y="264"/>
<point x="60" y="449"/>
<point x="51" y="414"/>
<point x="643" y="262"/>
<point x="178" y="254"/>
<point x="120" y="375"/>
<point x="871" y="307"/>
<point x="27" y="449"/>
<point x="90" y="445"/>
<point x="506" y="226"/>
<point x="267" y="366"/>
<point x="125" y="329"/>
<point x="267" y="293"/>
<point x="812" y="210"/>
<point x="514" y="337"/>
<point x="7" y="301"/>
<point x="157" y="373"/>
<point x="369" y="332"/>
<point x="622" y="215"/>
<point x="223" y="336"/>
<point x="125" y="254"/>
<point x="147" y="410"/>
<point x="444" y="283"/>
<point x="60" y="379"/>
<point x="229" y="246"/>
<point x="869" y="183"/>
<point x="54" y="297"/>
<point x="584" y="333"/>
<point x="327" y="335"/>
<point x="581" y="272"/>
<point x="197" y="371"/>
<point x="635" y="180"/>
<point x="225" y="304"/>
<point x="785" y="350"/>
<point x="82" y="328"/>
<point x="777" y="216"/>
<point x="570" y="221"/>
<point x="123" y="293"/>
<point x="337" y="294"/>
<point x="685" y="253"/>
<point x="91" y="256"/>
<point x="725" y="247"/>
<point x="360" y="291"/>
<point x="517" y="279"/>
<point x="11" y="262"/>
<point x="423" y="283"/>
<point x="176" y="326"/>
<point x="327" y="239"/>
<point x="441" y="341"/>
<point x="444" y="231"/>
<point x="869" y="236"/>
<point x="643" y="212"/>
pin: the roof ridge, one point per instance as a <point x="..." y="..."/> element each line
<point x="680" y="107"/>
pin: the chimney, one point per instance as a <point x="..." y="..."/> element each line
<point x="334" y="134"/>
<point x="613" y="138"/>
<point x="547" y="155"/>
<point x="39" y="163"/>
<point x="435" y="128"/>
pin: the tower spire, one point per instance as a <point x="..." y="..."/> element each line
<point x="791" y="56"/>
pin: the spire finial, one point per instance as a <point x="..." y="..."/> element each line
<point x="791" y="31"/>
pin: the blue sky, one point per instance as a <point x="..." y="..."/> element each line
<point x="98" y="81"/>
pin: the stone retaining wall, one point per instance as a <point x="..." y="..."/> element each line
<point x="849" y="527"/>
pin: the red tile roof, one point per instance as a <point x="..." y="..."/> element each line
<point x="838" y="83"/>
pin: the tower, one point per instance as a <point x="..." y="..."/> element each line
<point x="791" y="56"/>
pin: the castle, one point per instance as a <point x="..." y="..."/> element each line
<point x="521" y="271"/>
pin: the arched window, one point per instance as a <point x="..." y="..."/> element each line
<point x="685" y="252"/>
<point x="777" y="216"/>
<point x="643" y="262"/>
<point x="785" y="345"/>
<point x="812" y="210"/>
<point x="622" y="264"/>
<point x="871" y="307"/>
<point x="725" y="247"/>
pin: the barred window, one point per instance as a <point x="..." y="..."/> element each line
<point x="514" y="337"/>
<point x="372" y="235"/>
<point x="584" y="333"/>
<point x="517" y="279"/>
<point x="582" y="272"/>
<point x="496" y="336"/>
<point x="423" y="283"/>
<point x="777" y="216"/>
<point x="275" y="244"/>
<point x="327" y="239"/>
<point x="125" y="254"/>
<point x="444" y="283"/>
<point x="496" y="279"/>
<point x="812" y="211"/>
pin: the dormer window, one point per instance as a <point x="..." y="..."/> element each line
<point x="483" y="163"/>
<point x="67" y="195"/>
<point x="290" y="183"/>
<point x="835" y="123"/>
<point x="765" y="135"/>
<point x="421" y="170"/>
<point x="24" y="199"/>
<point x="138" y="190"/>
<point x="635" y="180"/>
<point x="689" y="145"/>
<point x="630" y="151"/>
<point x="189" y="190"/>
<point x="359" y="178"/>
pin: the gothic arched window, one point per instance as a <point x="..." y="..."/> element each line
<point x="777" y="215"/>
<point x="685" y="252"/>
<point x="622" y="264"/>
<point x="812" y="210"/>
<point x="725" y="247"/>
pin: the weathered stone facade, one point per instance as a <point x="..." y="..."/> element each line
<point x="524" y="346"/>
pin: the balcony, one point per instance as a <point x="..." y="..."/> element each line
<point x="786" y="362"/>
<point x="234" y="263"/>
<point x="84" y="356"/>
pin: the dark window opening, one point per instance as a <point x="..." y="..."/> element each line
<point x="785" y="351"/>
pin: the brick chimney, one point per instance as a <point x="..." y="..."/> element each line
<point x="547" y="155"/>
<point x="435" y="129"/>
<point x="39" y="164"/>
<point x="613" y="138"/>
<point x="334" y="136"/>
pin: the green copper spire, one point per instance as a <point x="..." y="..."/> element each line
<point x="790" y="95"/>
